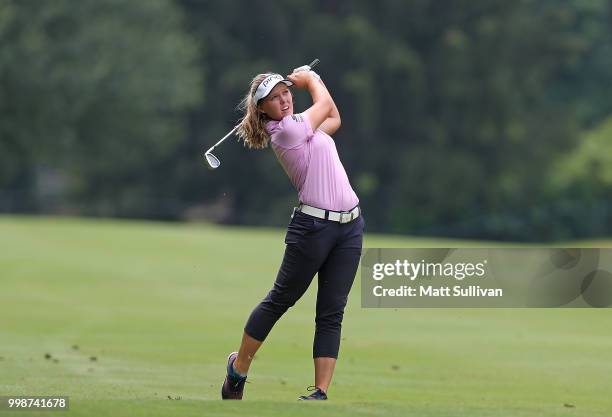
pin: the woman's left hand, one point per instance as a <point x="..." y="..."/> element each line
<point x="301" y="79"/>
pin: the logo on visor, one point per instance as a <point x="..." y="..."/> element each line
<point x="271" y="78"/>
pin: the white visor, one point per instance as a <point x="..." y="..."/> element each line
<point x="268" y="84"/>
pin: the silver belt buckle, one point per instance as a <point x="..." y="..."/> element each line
<point x="348" y="217"/>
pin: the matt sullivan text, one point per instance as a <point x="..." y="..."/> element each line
<point x="431" y="291"/>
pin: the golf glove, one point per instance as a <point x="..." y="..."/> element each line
<point x="302" y="68"/>
<point x="307" y="68"/>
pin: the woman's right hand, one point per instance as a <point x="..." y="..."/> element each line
<point x="301" y="79"/>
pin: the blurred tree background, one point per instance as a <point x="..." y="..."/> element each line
<point x="464" y="118"/>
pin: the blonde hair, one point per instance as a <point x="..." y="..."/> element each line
<point x="252" y="127"/>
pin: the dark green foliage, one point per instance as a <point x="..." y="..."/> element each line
<point x="455" y="113"/>
<point x="95" y="92"/>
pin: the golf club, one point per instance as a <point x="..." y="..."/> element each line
<point x="211" y="160"/>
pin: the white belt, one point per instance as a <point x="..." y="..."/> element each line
<point x="335" y="216"/>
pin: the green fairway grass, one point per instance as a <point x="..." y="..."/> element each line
<point x="138" y="319"/>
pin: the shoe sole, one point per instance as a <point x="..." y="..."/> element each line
<point x="227" y="360"/>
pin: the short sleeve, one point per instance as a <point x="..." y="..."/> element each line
<point x="293" y="131"/>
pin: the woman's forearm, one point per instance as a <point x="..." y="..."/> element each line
<point x="320" y="94"/>
<point x="323" y="103"/>
<point x="332" y="123"/>
<point x="334" y="113"/>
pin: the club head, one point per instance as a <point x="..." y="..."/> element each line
<point x="212" y="161"/>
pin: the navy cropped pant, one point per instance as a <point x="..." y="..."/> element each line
<point x="313" y="246"/>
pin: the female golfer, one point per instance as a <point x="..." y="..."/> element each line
<point x="326" y="229"/>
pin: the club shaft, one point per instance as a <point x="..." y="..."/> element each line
<point x="230" y="133"/>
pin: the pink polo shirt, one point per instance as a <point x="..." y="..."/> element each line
<point x="311" y="161"/>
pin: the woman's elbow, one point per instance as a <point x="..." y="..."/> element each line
<point x="335" y="124"/>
